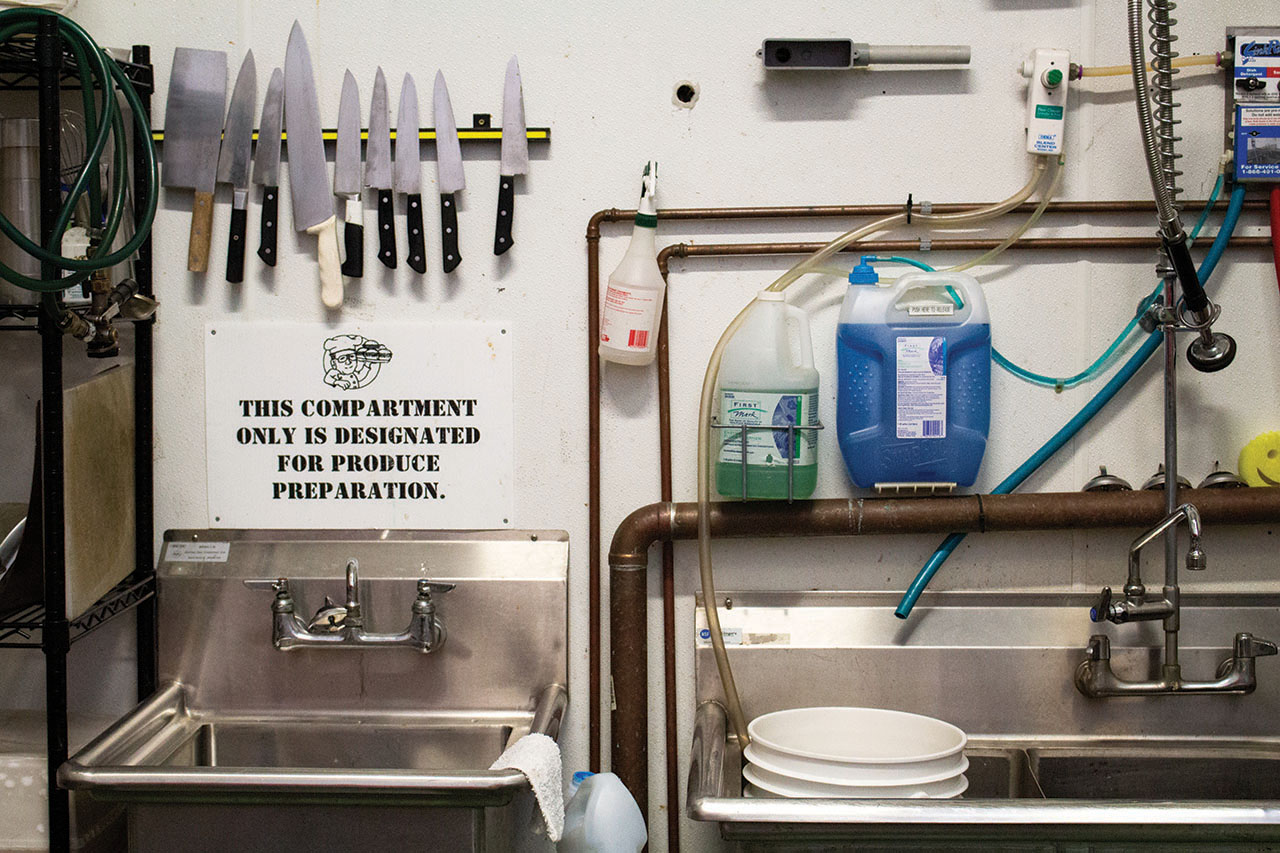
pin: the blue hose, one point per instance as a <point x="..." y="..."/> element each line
<point x="1073" y="426"/>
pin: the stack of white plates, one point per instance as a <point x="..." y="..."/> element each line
<point x="846" y="753"/>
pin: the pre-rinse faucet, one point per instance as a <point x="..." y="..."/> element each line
<point x="1094" y="676"/>
<point x="338" y="626"/>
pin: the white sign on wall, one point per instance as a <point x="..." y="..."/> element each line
<point x="372" y="425"/>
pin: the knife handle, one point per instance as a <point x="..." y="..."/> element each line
<point x="386" y="229"/>
<point x="417" y="240"/>
<point x="449" y="232"/>
<point x="267" y="238"/>
<point x="235" y="239"/>
<point x="353" y="238"/>
<point x="330" y="268"/>
<point x="201" y="232"/>
<point x="506" y="212"/>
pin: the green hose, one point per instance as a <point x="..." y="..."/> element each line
<point x="103" y="123"/>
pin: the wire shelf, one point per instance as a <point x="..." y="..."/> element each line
<point x="792" y="444"/>
<point x="18" y="67"/>
<point x="19" y="629"/>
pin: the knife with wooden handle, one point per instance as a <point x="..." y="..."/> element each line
<point x="193" y="133"/>
<point x="308" y="177"/>
<point x="266" y="166"/>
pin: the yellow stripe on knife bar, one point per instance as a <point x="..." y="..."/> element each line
<point x="537" y="133"/>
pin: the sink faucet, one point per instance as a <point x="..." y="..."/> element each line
<point x="338" y="626"/>
<point x="1094" y="676"/>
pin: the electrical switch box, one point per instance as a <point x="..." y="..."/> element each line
<point x="1047" y="70"/>
<point x="1254" y="103"/>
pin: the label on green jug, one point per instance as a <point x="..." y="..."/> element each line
<point x="757" y="411"/>
<point x="922" y="387"/>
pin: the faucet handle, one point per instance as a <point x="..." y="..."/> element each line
<point x="1249" y="646"/>
<point x="426" y="587"/>
<point x="1101" y="610"/>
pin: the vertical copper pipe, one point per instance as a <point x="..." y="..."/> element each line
<point x="668" y="580"/>
<point x="593" y="487"/>
<point x="629" y="654"/>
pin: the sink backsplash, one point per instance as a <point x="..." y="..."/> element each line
<point x="506" y="619"/>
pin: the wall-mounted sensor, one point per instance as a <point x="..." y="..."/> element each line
<point x="843" y="54"/>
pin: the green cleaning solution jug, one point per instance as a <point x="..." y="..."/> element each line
<point x="767" y="380"/>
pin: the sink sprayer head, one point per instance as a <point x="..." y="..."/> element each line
<point x="1196" y="559"/>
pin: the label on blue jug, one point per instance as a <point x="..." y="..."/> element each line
<point x="922" y="387"/>
<point x="768" y="409"/>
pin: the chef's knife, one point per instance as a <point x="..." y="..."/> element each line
<point x="515" y="155"/>
<point x="346" y="176"/>
<point x="448" y="173"/>
<point x="308" y="178"/>
<point x="409" y="172"/>
<point x="233" y="161"/>
<point x="193" y="129"/>
<point x="266" y="166"/>
<point x="377" y="169"/>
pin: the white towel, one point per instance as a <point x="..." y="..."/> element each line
<point x="538" y="757"/>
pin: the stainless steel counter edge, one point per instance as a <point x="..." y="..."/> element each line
<point x="707" y="803"/>
<point x="113" y="760"/>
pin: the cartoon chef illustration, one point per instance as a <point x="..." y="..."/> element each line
<point x="353" y="361"/>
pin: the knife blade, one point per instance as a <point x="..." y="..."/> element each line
<point x="193" y="130"/>
<point x="408" y="177"/>
<point x="233" y="161"/>
<point x="346" y="176"/>
<point x="448" y="173"/>
<point x="308" y="178"/>
<point x="266" y="165"/>
<point x="377" y="169"/>
<point x="515" y="155"/>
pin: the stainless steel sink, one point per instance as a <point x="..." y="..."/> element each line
<point x="249" y="747"/>
<point x="1049" y="769"/>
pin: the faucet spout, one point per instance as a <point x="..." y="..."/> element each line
<point x="353" y="594"/>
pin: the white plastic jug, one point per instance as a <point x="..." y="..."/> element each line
<point x="767" y="381"/>
<point x="602" y="817"/>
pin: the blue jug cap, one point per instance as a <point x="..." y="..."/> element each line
<point x="581" y="775"/>
<point x="863" y="273"/>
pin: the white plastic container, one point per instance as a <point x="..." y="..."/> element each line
<point x="767" y="379"/>
<point x="632" y="306"/>
<point x="602" y="817"/>
<point x="857" y="746"/>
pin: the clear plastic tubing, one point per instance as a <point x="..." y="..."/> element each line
<point x="1062" y="436"/>
<point x="814" y="263"/>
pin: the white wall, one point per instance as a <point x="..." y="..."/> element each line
<point x="602" y="76"/>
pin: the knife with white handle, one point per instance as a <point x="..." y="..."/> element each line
<point x="266" y="166"/>
<point x="233" y="161"/>
<point x="377" y="170"/>
<point x="515" y="156"/>
<point x="308" y="178"/>
<point x="448" y="174"/>
<point x="346" y="177"/>
<point x="409" y="173"/>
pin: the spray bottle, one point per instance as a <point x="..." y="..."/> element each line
<point x="633" y="300"/>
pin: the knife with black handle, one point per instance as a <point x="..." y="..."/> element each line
<point x="449" y="174"/>
<point x="346" y="177"/>
<point x="515" y="156"/>
<point x="408" y="173"/>
<point x="266" y="166"/>
<point x="377" y="170"/>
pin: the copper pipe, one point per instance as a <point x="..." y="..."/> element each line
<point x="629" y="552"/>
<point x="668" y="588"/>
<point x="686" y="214"/>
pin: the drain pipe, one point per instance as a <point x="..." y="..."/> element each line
<point x="666" y="521"/>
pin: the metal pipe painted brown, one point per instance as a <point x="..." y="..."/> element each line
<point x="666" y="521"/>
<point x="668" y="589"/>
<point x="593" y="319"/>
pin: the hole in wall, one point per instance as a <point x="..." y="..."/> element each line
<point x="686" y="94"/>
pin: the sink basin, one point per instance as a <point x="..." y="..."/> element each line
<point x="250" y="748"/>
<point x="163" y="746"/>
<point x="1052" y="790"/>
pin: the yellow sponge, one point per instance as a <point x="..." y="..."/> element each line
<point x="1260" y="460"/>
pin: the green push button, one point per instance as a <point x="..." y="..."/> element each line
<point x="1052" y="77"/>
